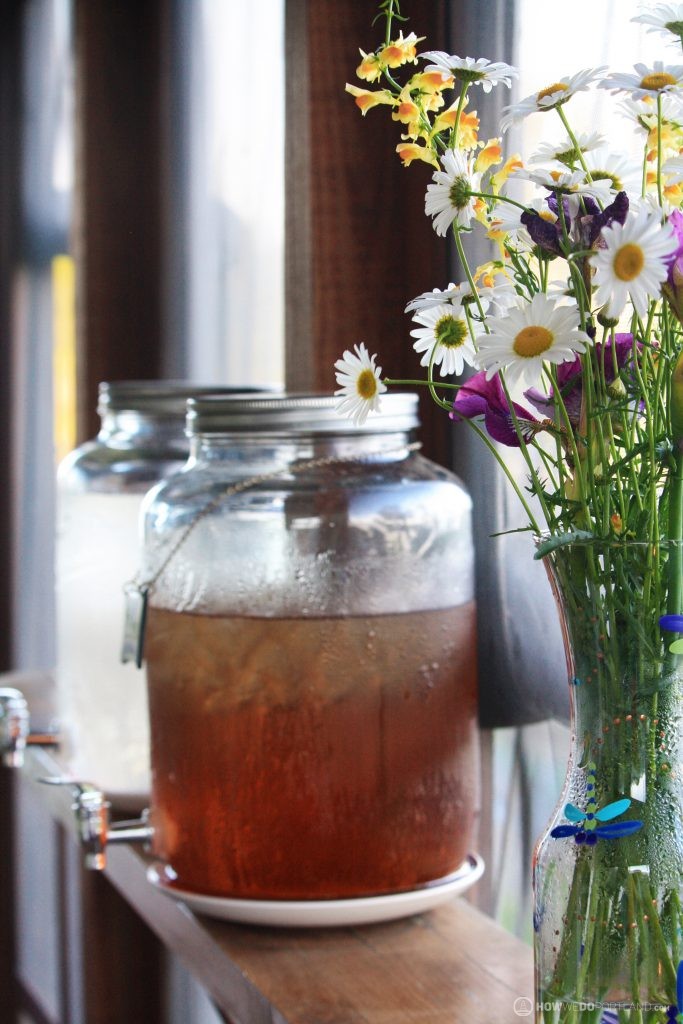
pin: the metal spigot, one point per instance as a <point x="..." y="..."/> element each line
<point x="95" y="830"/>
<point x="14" y="727"/>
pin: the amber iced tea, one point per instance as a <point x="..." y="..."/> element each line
<point x="312" y="758"/>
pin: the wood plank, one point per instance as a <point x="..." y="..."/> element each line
<point x="8" y="991"/>
<point x="122" y="968"/>
<point x="449" y="965"/>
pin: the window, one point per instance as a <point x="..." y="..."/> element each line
<point x="231" y="191"/>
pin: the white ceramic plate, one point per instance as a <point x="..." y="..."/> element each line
<point x="327" y="913"/>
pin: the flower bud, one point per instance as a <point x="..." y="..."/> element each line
<point x="605" y="321"/>
<point x="617" y="388"/>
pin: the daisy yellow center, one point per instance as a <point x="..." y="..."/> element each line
<point x="568" y="156"/>
<point x="449" y="332"/>
<point x="614" y="181"/>
<point x="459" y="193"/>
<point x="366" y="384"/>
<point x="628" y="262"/>
<point x="532" y="341"/>
<point x="550" y="90"/>
<point x="657" y="80"/>
<point x="468" y="74"/>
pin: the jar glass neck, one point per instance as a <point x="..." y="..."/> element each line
<point x="128" y="427"/>
<point x="233" y="448"/>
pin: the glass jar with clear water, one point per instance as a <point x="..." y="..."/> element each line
<point x="310" y="655"/>
<point x="100" y="486"/>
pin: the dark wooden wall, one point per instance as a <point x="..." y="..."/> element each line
<point x="358" y="244"/>
<point x="121" y="68"/>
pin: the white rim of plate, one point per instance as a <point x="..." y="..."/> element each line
<point x="326" y="913"/>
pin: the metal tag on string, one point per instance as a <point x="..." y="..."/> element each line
<point x="135" y="618"/>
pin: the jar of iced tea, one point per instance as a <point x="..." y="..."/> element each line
<point x="310" y="655"/>
<point x="100" y="486"/>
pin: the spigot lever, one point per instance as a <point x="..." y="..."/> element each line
<point x="14" y="727"/>
<point x="95" y="830"/>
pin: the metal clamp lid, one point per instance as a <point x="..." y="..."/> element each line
<point x="291" y="413"/>
<point x="161" y="398"/>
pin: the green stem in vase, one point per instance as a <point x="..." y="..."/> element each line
<point x="637" y="1015"/>
<point x="659" y="947"/>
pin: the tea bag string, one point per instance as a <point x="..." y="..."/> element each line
<point x="146" y="585"/>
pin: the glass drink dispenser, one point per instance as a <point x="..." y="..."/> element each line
<point x="310" y="655"/>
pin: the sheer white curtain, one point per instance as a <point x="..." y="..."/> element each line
<point x="230" y="264"/>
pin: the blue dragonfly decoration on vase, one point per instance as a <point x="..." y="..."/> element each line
<point x="588" y="825"/>
<point x="674" y="1014"/>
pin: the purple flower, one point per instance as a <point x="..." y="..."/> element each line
<point x="591" y="223"/>
<point x="545" y="234"/>
<point x="673" y="287"/>
<point x="588" y="222"/>
<point x="570" y="382"/>
<point x="481" y="397"/>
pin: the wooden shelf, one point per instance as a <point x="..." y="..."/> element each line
<point x="449" y="966"/>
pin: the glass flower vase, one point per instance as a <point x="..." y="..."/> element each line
<point x="608" y="869"/>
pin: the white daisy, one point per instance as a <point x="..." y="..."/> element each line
<point x="444" y="337"/>
<point x="507" y="218"/>
<point x="649" y="203"/>
<point x="455" y="293"/>
<point x="632" y="262"/>
<point x="644" y="111"/>
<point x="565" y="152"/>
<point x="568" y="182"/>
<point x="664" y="18"/>
<point x="551" y="96"/>
<point x="657" y="80"/>
<point x="673" y="169"/>
<point x="500" y="297"/>
<point x="617" y="171"/>
<point x="449" y="197"/>
<point x="532" y="333"/>
<point x="360" y="384"/>
<point x="475" y="72"/>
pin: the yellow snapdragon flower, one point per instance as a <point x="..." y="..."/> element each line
<point x="400" y="51"/>
<point x="409" y="151"/>
<point x="486" y="273"/>
<point x="407" y="112"/>
<point x="431" y="81"/>
<point x="492" y="153"/>
<point x="367" y="98"/>
<point x="369" y="69"/>
<point x="512" y="164"/>
<point x="468" y="127"/>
